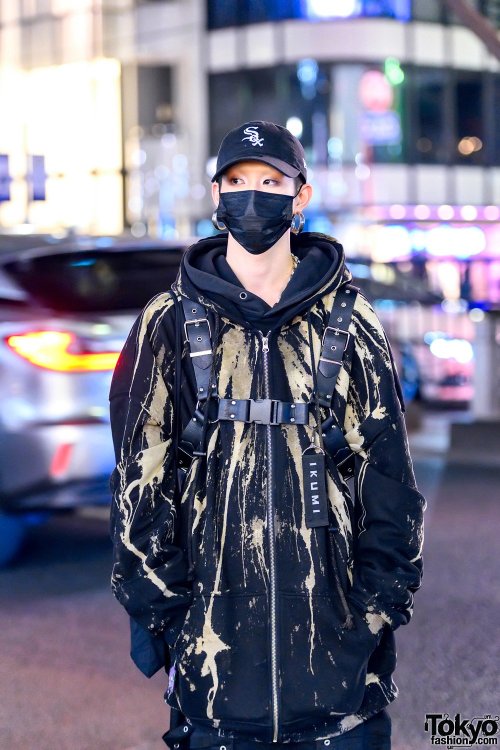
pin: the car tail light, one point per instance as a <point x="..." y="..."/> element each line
<point x="61" y="459"/>
<point x="52" y="351"/>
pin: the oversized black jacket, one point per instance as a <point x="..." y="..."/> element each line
<point x="257" y="632"/>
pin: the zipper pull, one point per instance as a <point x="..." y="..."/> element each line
<point x="265" y="342"/>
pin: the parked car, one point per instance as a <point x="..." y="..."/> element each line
<point x="65" y="311"/>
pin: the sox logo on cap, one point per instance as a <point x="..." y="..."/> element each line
<point x="252" y="135"/>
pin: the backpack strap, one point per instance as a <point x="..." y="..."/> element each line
<point x="336" y="342"/>
<point x="199" y="338"/>
<point x="198" y="333"/>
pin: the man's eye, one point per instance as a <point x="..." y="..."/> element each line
<point x="269" y="181"/>
<point x="234" y="180"/>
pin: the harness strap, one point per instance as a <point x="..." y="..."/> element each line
<point x="334" y="345"/>
<point x="336" y="339"/>
<point x="198" y="334"/>
<point x="263" y="411"/>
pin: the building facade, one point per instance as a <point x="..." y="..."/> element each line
<point x="113" y="111"/>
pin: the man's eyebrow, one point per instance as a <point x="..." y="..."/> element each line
<point x="269" y="171"/>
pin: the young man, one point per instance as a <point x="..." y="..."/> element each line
<point x="277" y="591"/>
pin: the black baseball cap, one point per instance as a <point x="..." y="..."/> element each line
<point x="262" y="141"/>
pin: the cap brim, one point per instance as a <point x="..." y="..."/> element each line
<point x="287" y="170"/>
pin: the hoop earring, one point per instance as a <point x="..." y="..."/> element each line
<point x="216" y="224"/>
<point x="302" y="220"/>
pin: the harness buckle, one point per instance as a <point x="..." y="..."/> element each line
<point x="263" y="410"/>
<point x="197" y="321"/>
<point x="338" y="332"/>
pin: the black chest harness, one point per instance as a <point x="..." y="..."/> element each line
<point x="335" y="342"/>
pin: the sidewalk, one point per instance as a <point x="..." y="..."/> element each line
<point x="454" y="436"/>
<point x="429" y="433"/>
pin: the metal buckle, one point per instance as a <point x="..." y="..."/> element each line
<point x="206" y="403"/>
<point x="263" y="410"/>
<point x="338" y="331"/>
<point x="334" y="361"/>
<point x="195" y="321"/>
<point x="335" y="328"/>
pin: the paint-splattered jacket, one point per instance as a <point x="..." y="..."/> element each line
<point x="257" y="635"/>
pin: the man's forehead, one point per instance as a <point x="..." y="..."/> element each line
<point x="258" y="167"/>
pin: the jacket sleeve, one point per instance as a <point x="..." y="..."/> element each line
<point x="388" y="533"/>
<point x="149" y="574"/>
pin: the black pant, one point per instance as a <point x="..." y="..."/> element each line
<point x="372" y="734"/>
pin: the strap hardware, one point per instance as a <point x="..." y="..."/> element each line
<point x="263" y="410"/>
<point x="344" y="344"/>
<point x="272" y="411"/>
<point x="197" y="322"/>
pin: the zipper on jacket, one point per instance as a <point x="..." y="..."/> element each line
<point x="272" y="547"/>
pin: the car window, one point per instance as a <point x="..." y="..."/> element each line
<point x="10" y="292"/>
<point x="96" y="281"/>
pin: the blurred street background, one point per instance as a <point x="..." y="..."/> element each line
<point x="111" y="115"/>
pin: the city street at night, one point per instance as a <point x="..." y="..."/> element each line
<point x="68" y="682"/>
<point x="219" y="218"/>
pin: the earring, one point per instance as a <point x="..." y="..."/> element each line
<point x="302" y="220"/>
<point x="220" y="226"/>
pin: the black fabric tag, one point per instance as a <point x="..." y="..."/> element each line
<point x="316" y="503"/>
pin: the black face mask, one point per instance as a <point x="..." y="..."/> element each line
<point x="254" y="218"/>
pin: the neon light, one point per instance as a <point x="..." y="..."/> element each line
<point x="397" y="211"/>
<point x="390" y="242"/>
<point x="445" y="212"/>
<point x="460" y="242"/>
<point x="393" y="71"/>
<point x="375" y="92"/>
<point x="307" y="71"/>
<point x="332" y="8"/>
<point x="491" y="213"/>
<point x="422" y="212"/>
<point x="476" y="315"/>
<point x="362" y="172"/>
<point x="458" y="349"/>
<point x="295" y="126"/>
<point x="469" y="213"/>
<point x="418" y="239"/>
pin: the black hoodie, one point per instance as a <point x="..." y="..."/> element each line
<point x="248" y="597"/>
<point x="206" y="271"/>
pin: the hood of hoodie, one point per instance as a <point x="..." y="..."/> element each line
<point x="206" y="276"/>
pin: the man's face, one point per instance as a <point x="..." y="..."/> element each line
<point x="255" y="175"/>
